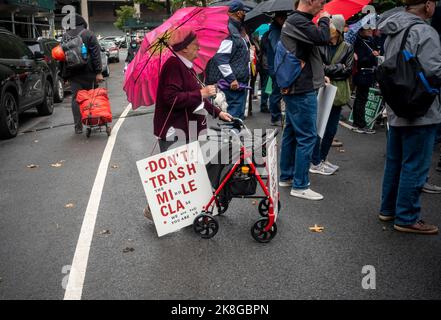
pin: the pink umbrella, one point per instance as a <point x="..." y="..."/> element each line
<point x="347" y="8"/>
<point x="142" y="75"/>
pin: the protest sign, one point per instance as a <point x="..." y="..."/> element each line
<point x="372" y="108"/>
<point x="325" y="99"/>
<point x="273" y="175"/>
<point x="177" y="186"/>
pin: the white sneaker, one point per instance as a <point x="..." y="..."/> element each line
<point x="306" y="194"/>
<point x="322" y="169"/>
<point x="332" y="166"/>
<point x="285" y="183"/>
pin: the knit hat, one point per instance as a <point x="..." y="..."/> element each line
<point x="181" y="38"/>
<point x="339" y="22"/>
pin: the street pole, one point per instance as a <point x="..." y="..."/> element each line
<point x="85" y="11"/>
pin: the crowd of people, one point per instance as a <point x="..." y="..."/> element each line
<point x="327" y="56"/>
<point x="349" y="65"/>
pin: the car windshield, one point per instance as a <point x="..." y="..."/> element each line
<point x="107" y="44"/>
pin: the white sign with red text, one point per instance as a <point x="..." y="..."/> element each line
<point x="177" y="186"/>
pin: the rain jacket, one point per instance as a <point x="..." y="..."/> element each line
<point x="231" y="61"/>
<point x="302" y="37"/>
<point x="423" y="42"/>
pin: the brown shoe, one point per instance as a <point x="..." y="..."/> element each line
<point x="420" y="227"/>
<point x="148" y="213"/>
<point x="383" y="217"/>
<point x="337" y="143"/>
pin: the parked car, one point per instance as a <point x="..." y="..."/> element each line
<point x="45" y="46"/>
<point x="25" y="82"/>
<point x="120" y="41"/>
<point x="105" y="62"/>
<point x="111" y="49"/>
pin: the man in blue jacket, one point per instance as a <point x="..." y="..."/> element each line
<point x="273" y="38"/>
<point x="232" y="62"/>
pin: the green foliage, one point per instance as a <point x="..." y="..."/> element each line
<point x="123" y="14"/>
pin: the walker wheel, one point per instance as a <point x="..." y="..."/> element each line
<point x="258" y="233"/>
<point x="205" y="225"/>
<point x="222" y="208"/>
<point x="264" y="207"/>
<point x="109" y="131"/>
<point x="88" y="132"/>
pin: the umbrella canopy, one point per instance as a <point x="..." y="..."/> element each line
<point x="141" y="79"/>
<point x="262" y="29"/>
<point x="347" y="8"/>
<point x="262" y="12"/>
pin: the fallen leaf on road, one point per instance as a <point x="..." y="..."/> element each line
<point x="35" y="141"/>
<point x="114" y="166"/>
<point x="105" y="232"/>
<point x="384" y="228"/>
<point x="56" y="165"/>
<point x="316" y="228"/>
<point x="129" y="240"/>
<point x="341" y="150"/>
<point x="254" y="202"/>
<point x="128" y="250"/>
<point x="33" y="166"/>
<point x="69" y="205"/>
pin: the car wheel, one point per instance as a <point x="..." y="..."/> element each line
<point x="47" y="107"/>
<point x="8" y="116"/>
<point x="59" y="91"/>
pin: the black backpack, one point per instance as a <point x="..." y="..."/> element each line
<point x="403" y="84"/>
<point x="72" y="47"/>
<point x="263" y="54"/>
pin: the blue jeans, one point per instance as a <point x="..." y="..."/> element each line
<point x="322" y="146"/>
<point x="274" y="102"/>
<point x="236" y="102"/>
<point x="299" y="137"/>
<point x="409" y="155"/>
<point x="264" y="77"/>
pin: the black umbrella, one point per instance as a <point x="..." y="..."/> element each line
<point x="262" y="12"/>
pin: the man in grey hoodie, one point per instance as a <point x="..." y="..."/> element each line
<point x="410" y="142"/>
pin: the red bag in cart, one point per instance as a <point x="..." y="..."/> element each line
<point x="94" y="107"/>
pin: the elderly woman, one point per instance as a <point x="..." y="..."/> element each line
<point x="182" y="104"/>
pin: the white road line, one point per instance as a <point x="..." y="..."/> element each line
<point x="77" y="273"/>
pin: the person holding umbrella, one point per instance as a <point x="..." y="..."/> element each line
<point x="180" y="94"/>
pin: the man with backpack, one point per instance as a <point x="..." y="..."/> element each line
<point x="301" y="38"/>
<point x="411" y="133"/>
<point x="83" y="64"/>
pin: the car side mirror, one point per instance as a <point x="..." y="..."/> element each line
<point x="38" y="55"/>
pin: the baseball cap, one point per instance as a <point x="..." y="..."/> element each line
<point x="237" y="6"/>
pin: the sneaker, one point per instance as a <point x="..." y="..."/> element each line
<point x="148" y="213"/>
<point x="306" y="194"/>
<point x="332" y="166"/>
<point x="384" y="217"/>
<point x="285" y="183"/>
<point x="364" y="130"/>
<point x="322" y="169"/>
<point x="337" y="143"/>
<point x="78" y="130"/>
<point x="431" y="188"/>
<point x="420" y="227"/>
